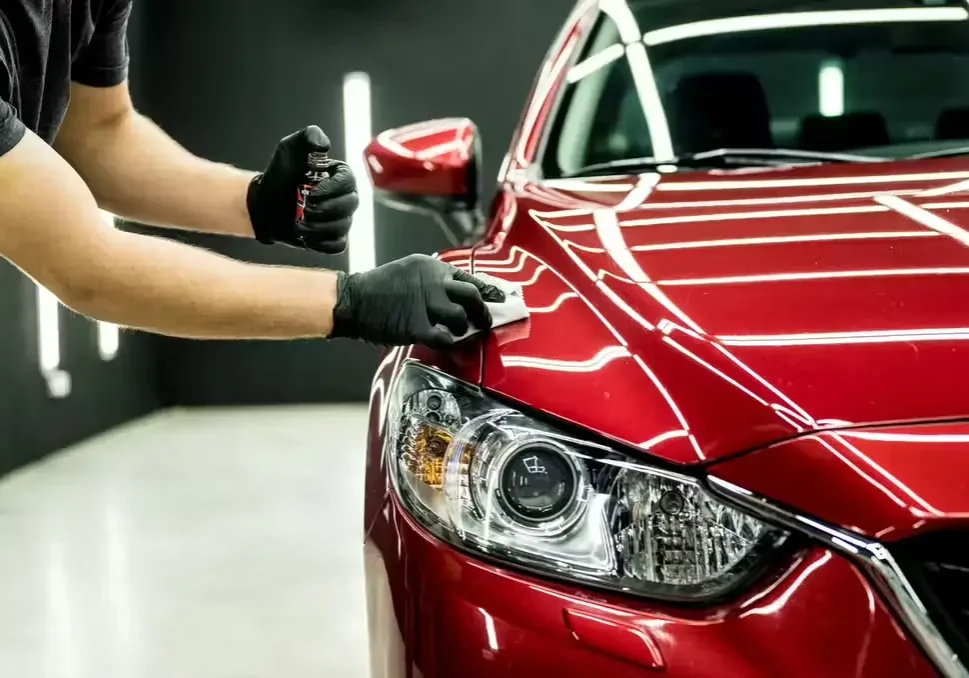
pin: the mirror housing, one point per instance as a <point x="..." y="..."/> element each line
<point x="434" y="168"/>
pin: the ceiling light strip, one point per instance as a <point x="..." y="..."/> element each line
<point x="742" y="24"/>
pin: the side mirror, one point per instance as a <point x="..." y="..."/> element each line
<point x="433" y="168"/>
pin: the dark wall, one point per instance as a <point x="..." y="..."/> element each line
<point x="104" y="394"/>
<point x="228" y="78"/>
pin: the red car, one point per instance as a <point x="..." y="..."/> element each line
<point x="732" y="438"/>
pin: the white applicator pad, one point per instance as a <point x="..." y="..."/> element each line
<point x="512" y="309"/>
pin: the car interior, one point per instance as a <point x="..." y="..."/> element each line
<point x="714" y="110"/>
<point x="900" y="98"/>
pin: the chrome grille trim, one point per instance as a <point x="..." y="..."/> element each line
<point x="873" y="556"/>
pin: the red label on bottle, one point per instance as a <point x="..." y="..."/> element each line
<point x="301" y="194"/>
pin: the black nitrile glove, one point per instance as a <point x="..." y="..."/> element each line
<point x="329" y="207"/>
<point x="401" y="303"/>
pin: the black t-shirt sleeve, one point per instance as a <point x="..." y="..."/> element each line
<point x="12" y="130"/>
<point x="104" y="63"/>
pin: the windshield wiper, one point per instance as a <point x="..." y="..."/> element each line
<point x="944" y="153"/>
<point x="784" y="156"/>
<point x="723" y="158"/>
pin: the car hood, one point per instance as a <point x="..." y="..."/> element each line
<point x="700" y="315"/>
<point x="888" y="482"/>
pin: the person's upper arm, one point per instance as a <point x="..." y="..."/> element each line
<point x="100" y="99"/>
<point x="104" y="62"/>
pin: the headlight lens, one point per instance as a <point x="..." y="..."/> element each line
<point x="491" y="479"/>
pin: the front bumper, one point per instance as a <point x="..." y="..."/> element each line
<point x="435" y="612"/>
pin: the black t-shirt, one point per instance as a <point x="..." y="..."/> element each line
<point x="46" y="44"/>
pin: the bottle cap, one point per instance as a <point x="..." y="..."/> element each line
<point x="318" y="159"/>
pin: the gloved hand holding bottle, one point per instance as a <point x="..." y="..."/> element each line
<point x="288" y="207"/>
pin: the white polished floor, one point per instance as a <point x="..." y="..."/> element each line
<point x="193" y="544"/>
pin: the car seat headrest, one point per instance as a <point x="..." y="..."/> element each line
<point x="719" y="110"/>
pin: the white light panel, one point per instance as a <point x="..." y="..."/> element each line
<point x="358" y="128"/>
<point x="109" y="335"/>
<point x="48" y="330"/>
<point x="49" y="344"/>
<point x="831" y="90"/>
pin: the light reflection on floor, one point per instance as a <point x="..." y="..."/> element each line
<point x="197" y="544"/>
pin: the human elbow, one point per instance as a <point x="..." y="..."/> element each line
<point x="83" y="290"/>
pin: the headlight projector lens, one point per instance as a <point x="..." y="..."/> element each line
<point x="538" y="483"/>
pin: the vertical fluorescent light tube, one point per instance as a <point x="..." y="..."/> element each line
<point x="831" y="89"/>
<point x="357" y="126"/>
<point x="48" y="330"/>
<point x="109" y="335"/>
<point x="49" y="344"/>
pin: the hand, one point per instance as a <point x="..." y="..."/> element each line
<point x="329" y="207"/>
<point x="405" y="301"/>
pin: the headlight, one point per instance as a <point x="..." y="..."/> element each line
<point x="493" y="480"/>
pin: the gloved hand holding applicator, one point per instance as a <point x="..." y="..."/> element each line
<point x="416" y="300"/>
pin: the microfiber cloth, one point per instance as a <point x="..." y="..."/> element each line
<point x="512" y="309"/>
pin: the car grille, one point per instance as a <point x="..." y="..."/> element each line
<point x="937" y="567"/>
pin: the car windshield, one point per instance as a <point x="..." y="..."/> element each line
<point x="764" y="82"/>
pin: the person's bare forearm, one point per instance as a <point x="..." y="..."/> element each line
<point x="138" y="172"/>
<point x="58" y="238"/>
<point x="196" y="294"/>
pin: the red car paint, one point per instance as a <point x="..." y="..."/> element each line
<point x="435" y="612"/>
<point x="428" y="158"/>
<point x="745" y="319"/>
<point x="886" y="483"/>
<point x="798" y="332"/>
